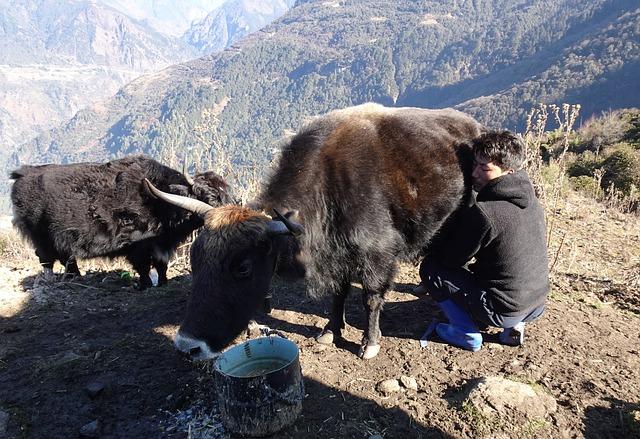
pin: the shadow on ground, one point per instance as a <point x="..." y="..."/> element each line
<point x="95" y="349"/>
<point x="621" y="419"/>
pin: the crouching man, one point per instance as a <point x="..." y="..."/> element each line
<point x="504" y="231"/>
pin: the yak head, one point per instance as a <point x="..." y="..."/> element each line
<point x="207" y="187"/>
<point x="211" y="189"/>
<point x="232" y="261"/>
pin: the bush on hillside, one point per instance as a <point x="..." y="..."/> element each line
<point x="584" y="165"/>
<point x="585" y="184"/>
<point x="622" y="169"/>
<point x="599" y="133"/>
<point x="632" y="136"/>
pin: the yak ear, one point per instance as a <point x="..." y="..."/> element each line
<point x="179" y="189"/>
<point x="293" y="215"/>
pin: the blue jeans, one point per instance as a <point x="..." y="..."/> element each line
<point x="459" y="285"/>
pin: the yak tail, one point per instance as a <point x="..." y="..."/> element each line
<point x="14" y="175"/>
<point x="21" y="172"/>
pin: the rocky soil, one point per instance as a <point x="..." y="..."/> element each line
<point x="92" y="357"/>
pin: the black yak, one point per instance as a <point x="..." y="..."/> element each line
<point x="87" y="210"/>
<point x="369" y="185"/>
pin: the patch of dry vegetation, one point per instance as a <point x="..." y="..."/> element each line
<point x="208" y="153"/>
<point x="604" y="158"/>
<point x="586" y="228"/>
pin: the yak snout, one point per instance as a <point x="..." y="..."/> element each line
<point x="193" y="348"/>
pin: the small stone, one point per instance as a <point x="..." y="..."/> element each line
<point x="409" y="382"/>
<point x="4" y="420"/>
<point x="387" y="387"/>
<point x="319" y="347"/>
<point x="94" y="389"/>
<point x="92" y="429"/>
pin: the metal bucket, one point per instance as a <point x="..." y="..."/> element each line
<point x="259" y="386"/>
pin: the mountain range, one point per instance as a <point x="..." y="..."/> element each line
<point x="232" y="21"/>
<point x="495" y="59"/>
<point x="169" y="17"/>
<point x="57" y="57"/>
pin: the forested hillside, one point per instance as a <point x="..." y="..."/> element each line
<point x="494" y="59"/>
<point x="58" y="57"/>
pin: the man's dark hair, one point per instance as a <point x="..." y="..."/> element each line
<point x="504" y="148"/>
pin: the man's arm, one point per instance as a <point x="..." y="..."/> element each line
<point x="467" y="234"/>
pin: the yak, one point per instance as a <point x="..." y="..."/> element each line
<point x="363" y="187"/>
<point x="86" y="210"/>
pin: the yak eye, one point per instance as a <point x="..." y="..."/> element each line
<point x="243" y="268"/>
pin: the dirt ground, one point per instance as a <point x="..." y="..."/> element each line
<point x="94" y="349"/>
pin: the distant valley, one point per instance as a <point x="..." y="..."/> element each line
<point x="494" y="59"/>
<point x="59" y="57"/>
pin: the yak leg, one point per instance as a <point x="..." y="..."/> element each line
<point x="373" y="303"/>
<point x="373" y="299"/>
<point x="161" y="267"/>
<point x="70" y="265"/>
<point x="142" y="264"/>
<point x="47" y="256"/>
<point x="333" y="330"/>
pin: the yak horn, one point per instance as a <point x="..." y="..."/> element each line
<point x="295" y="228"/>
<point x="195" y="206"/>
<point x="184" y="172"/>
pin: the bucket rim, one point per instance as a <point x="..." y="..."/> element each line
<point x="217" y="366"/>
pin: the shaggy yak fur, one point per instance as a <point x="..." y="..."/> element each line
<point x="369" y="185"/>
<point x="87" y="210"/>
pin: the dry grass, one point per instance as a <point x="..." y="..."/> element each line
<point x="209" y="154"/>
<point x="580" y="229"/>
<point x="549" y="180"/>
<point x="16" y="250"/>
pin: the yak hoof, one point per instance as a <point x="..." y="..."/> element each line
<point x="325" y="337"/>
<point x="69" y="276"/>
<point x="369" y="351"/>
<point x="47" y="275"/>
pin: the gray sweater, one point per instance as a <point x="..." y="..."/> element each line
<point x="505" y="231"/>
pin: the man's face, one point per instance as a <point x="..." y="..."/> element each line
<point x="484" y="171"/>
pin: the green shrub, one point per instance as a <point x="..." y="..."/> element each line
<point x="598" y="133"/>
<point x="632" y="136"/>
<point x="585" y="165"/>
<point x="622" y="168"/>
<point x="584" y="184"/>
